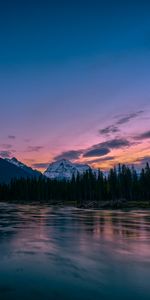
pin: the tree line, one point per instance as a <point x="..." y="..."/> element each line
<point x="121" y="182"/>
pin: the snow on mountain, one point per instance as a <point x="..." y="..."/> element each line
<point x="15" y="162"/>
<point x="61" y="169"/>
<point x="22" y="166"/>
<point x="64" y="169"/>
<point x="9" y="171"/>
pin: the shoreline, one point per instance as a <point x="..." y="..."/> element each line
<point x="102" y="205"/>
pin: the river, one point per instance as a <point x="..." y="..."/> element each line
<point x="68" y="254"/>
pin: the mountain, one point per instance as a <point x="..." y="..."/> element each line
<point x="64" y="169"/>
<point x="24" y="167"/>
<point x="16" y="162"/>
<point x="12" y="168"/>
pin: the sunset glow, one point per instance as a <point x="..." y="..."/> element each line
<point x="75" y="90"/>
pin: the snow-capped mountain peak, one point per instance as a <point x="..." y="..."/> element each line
<point x="64" y="169"/>
<point x="16" y="162"/>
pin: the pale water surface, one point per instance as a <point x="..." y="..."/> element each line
<point x="65" y="253"/>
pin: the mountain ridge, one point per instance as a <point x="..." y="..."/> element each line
<point x="11" y="170"/>
<point x="65" y="169"/>
<point x="62" y="169"/>
<point x="21" y="165"/>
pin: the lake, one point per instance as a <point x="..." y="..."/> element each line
<point x="67" y="253"/>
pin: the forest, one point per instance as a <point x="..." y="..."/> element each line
<point x="121" y="183"/>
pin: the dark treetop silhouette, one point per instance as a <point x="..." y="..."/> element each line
<point x="122" y="182"/>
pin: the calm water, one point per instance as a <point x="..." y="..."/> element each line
<point x="60" y="253"/>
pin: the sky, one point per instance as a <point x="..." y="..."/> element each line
<point x="75" y="82"/>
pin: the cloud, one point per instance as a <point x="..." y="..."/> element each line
<point x="114" y="128"/>
<point x="142" y="136"/>
<point x="104" y="148"/>
<point x="11" y="137"/>
<point x="116" y="143"/>
<point x="70" y="155"/>
<point x="6" y="146"/>
<point x="40" y="165"/>
<point x="34" y="148"/>
<point x="5" y="154"/>
<point x="126" y="118"/>
<point x="29" y="160"/>
<point x="101" y="159"/>
<point x="98" y="151"/>
<point x="109" y="129"/>
<point x="143" y="160"/>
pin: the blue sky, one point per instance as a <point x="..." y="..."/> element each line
<point x="68" y="70"/>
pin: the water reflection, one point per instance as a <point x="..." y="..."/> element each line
<point x="64" y="253"/>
